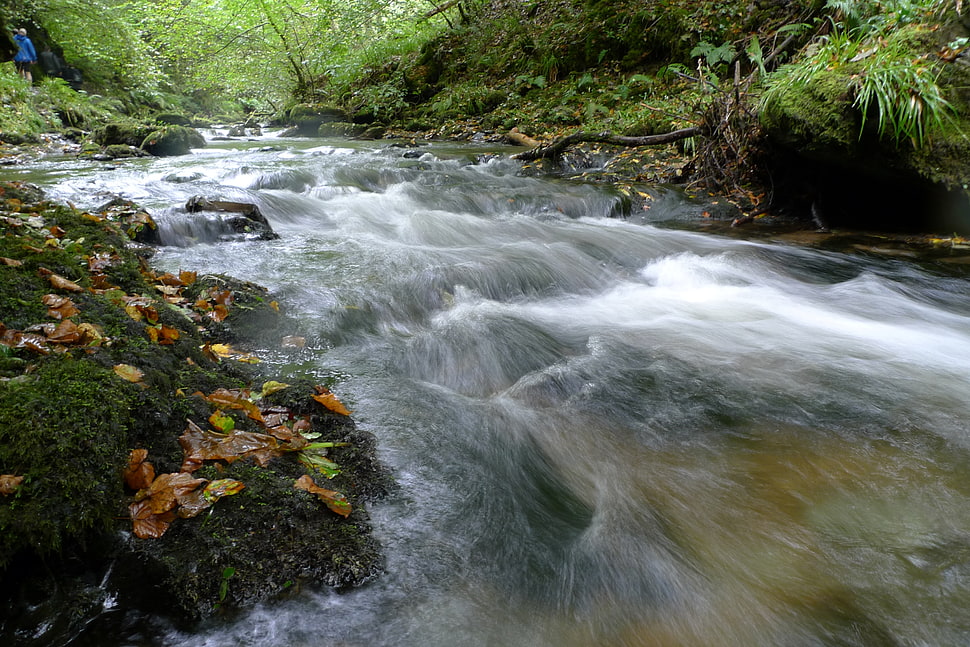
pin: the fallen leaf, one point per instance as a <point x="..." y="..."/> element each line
<point x="65" y="333"/>
<point x="140" y="473"/>
<point x="270" y="387"/>
<point x="198" y="500"/>
<point x="202" y="445"/>
<point x="61" y="283"/>
<point x="9" y="483"/>
<point x="333" y="499"/>
<point x="222" y="422"/>
<point x="233" y="399"/>
<point x="330" y="401"/>
<point x="59" y="307"/>
<point x="10" y="261"/>
<point x="219" y="312"/>
<point x="90" y="334"/>
<point x="129" y="372"/>
<point x="147" y="524"/>
<point x="219" y="488"/>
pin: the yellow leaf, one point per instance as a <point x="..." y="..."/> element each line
<point x="128" y="372"/>
<point x="272" y="386"/>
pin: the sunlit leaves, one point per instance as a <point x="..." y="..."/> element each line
<point x="333" y="500"/>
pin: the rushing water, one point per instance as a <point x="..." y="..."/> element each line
<point x="606" y="432"/>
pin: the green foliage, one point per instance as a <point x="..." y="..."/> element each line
<point x="98" y="37"/>
<point x="723" y="53"/>
<point x="891" y="78"/>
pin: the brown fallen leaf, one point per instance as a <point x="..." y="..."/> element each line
<point x="167" y="490"/>
<point x="147" y="524"/>
<point x="65" y="333"/>
<point x="140" y="473"/>
<point x="233" y="399"/>
<point x="61" y="283"/>
<point x="10" y="261"/>
<point x="202" y="445"/>
<point x="59" y="307"/>
<point x="10" y="483"/>
<point x="333" y="499"/>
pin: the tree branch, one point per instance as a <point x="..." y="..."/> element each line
<point x="558" y="146"/>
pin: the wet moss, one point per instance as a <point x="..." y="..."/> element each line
<point x="64" y="428"/>
<point x="815" y="117"/>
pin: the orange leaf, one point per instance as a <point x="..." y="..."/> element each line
<point x="140" y="473"/>
<point x="219" y="312"/>
<point x="9" y="483"/>
<point x="187" y="278"/>
<point x="334" y="500"/>
<point x="330" y="401"/>
<point x="10" y="261"/>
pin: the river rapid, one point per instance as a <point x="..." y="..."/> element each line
<point x="607" y="432"/>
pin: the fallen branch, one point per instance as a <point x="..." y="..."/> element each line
<point x="558" y="146"/>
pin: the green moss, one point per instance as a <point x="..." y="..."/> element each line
<point x="64" y="429"/>
<point x="814" y="116"/>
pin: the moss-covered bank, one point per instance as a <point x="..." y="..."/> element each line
<point x="99" y="356"/>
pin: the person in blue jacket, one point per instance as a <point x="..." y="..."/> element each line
<point x="26" y="55"/>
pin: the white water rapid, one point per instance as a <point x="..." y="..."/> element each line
<point x="606" y="433"/>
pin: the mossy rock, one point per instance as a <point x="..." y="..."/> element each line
<point x="172" y="140"/>
<point x="57" y="432"/>
<point x="173" y="119"/>
<point x="307" y="118"/>
<point x="122" y="151"/>
<point x="341" y="129"/>
<point x="817" y="118"/>
<point x="127" y="133"/>
<point x="23" y="191"/>
<point x="68" y="422"/>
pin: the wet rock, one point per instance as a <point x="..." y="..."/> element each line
<point x="307" y="118"/>
<point x="172" y="140"/>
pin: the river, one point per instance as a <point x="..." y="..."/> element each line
<point x="607" y="431"/>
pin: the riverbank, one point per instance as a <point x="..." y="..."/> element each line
<point x="147" y="459"/>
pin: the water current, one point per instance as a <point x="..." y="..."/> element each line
<point x="607" y="432"/>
